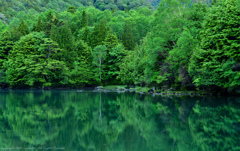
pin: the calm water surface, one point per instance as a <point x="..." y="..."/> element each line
<point x="98" y="121"/>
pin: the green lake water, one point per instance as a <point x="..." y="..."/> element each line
<point x="72" y="120"/>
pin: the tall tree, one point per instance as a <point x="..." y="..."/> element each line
<point x="35" y="62"/>
<point x="48" y="22"/>
<point x="23" y="28"/>
<point x="102" y="32"/>
<point x="127" y="38"/>
<point x="84" y="21"/>
<point x="99" y="55"/>
<point x="212" y="63"/>
<point x="82" y="73"/>
<point x="111" y="66"/>
<point x="94" y="37"/>
<point x="72" y="9"/>
<point x="6" y="46"/>
<point x="85" y="36"/>
<point x="39" y="26"/>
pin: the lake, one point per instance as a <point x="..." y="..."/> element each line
<point x="72" y="120"/>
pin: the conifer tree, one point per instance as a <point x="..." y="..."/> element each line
<point x="84" y="21"/>
<point x="39" y="26"/>
<point x="110" y="42"/>
<point x="127" y="39"/>
<point x="34" y="27"/>
<point x="72" y="9"/>
<point x="48" y="22"/>
<point x="6" y="45"/>
<point x="85" y="35"/>
<point x="82" y="72"/>
<point x="15" y="34"/>
<point x="23" y="28"/>
<point x="94" y="37"/>
<point x="49" y="16"/>
<point x="54" y="35"/>
<point x="102" y="32"/>
<point x="43" y="67"/>
<point x="66" y="38"/>
<point x="212" y="62"/>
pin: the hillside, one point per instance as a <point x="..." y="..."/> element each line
<point x="10" y="7"/>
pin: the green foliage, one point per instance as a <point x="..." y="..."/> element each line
<point x="99" y="55"/>
<point x="39" y="26"/>
<point x="94" y="41"/>
<point x="72" y="9"/>
<point x="213" y="61"/>
<point x="182" y="44"/>
<point x="86" y="35"/>
<point x="116" y="55"/>
<point x="102" y="32"/>
<point x="128" y="40"/>
<point x="36" y="63"/>
<point x="23" y="28"/>
<point x="84" y="20"/>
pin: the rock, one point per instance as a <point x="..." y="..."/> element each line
<point x="121" y="89"/>
<point x="150" y="91"/>
<point x="99" y="87"/>
<point x="171" y="89"/>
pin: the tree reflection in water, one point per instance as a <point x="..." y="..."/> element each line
<point x="94" y="121"/>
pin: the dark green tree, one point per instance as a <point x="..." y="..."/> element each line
<point x="212" y="64"/>
<point x="23" y="28"/>
<point x="36" y="63"/>
<point x="110" y="42"/>
<point x="94" y="41"/>
<point x="39" y="26"/>
<point x="66" y="39"/>
<point x="85" y="36"/>
<point x="84" y="21"/>
<point x="49" y="16"/>
<point x="34" y="27"/>
<point x="72" y="9"/>
<point x="127" y="38"/>
<point x="48" y="22"/>
<point x="6" y="45"/>
<point x="102" y="32"/>
<point x="82" y="72"/>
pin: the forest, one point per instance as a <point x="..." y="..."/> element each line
<point x="179" y="44"/>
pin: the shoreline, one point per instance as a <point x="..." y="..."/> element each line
<point x="137" y="89"/>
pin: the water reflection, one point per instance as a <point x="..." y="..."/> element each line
<point x="94" y="121"/>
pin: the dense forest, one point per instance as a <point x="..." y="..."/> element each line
<point x="180" y="44"/>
